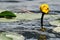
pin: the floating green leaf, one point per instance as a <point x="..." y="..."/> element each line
<point x="7" y="14"/>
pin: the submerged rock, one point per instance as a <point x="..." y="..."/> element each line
<point x="56" y="22"/>
<point x="56" y="29"/>
<point x="11" y="36"/>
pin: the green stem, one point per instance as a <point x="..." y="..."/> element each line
<point x="42" y="20"/>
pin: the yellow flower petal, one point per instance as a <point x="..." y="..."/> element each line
<point x="44" y="8"/>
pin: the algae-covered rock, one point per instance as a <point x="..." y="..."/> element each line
<point x="56" y="22"/>
<point x="3" y="37"/>
<point x="11" y="36"/>
<point x="56" y="29"/>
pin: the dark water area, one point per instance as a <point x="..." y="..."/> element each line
<point x="10" y="1"/>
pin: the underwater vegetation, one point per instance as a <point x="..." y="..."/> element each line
<point x="7" y="14"/>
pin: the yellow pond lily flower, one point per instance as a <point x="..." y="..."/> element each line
<point x="44" y="8"/>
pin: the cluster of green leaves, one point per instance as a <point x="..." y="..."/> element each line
<point x="7" y="14"/>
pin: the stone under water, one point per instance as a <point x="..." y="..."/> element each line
<point x="11" y="36"/>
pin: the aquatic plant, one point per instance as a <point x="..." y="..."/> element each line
<point x="7" y="14"/>
<point x="44" y="8"/>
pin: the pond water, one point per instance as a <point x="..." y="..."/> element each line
<point x="31" y="5"/>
